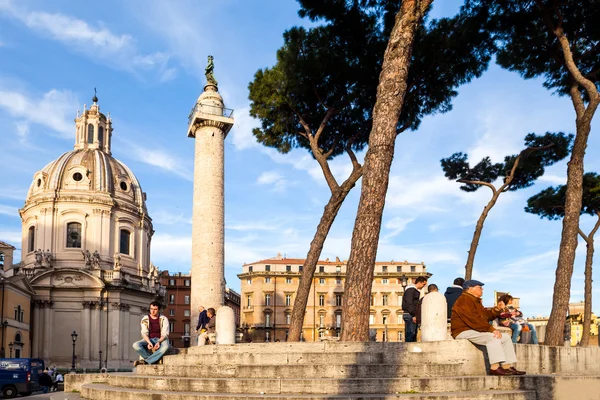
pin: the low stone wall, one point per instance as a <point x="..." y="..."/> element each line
<point x="73" y="382"/>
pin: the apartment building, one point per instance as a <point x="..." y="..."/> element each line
<point x="269" y="288"/>
<point x="177" y="306"/>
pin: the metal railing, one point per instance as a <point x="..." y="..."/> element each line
<point x="211" y="110"/>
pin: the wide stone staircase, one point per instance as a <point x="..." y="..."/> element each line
<point x="332" y="370"/>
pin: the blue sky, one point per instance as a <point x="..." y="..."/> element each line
<point x="147" y="60"/>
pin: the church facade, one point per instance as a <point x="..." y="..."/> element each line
<point x="86" y="238"/>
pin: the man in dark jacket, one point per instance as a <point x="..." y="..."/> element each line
<point x="471" y="321"/>
<point x="45" y="381"/>
<point x="410" y="299"/>
<point x="452" y="293"/>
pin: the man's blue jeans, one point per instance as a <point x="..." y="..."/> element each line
<point x="141" y="347"/>
<point x="45" y="389"/>
<point x="516" y="331"/>
<point x="411" y="328"/>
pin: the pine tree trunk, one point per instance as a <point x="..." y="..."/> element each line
<point x="570" y="231"/>
<point x="312" y="258"/>
<point x="477" y="235"/>
<point x="365" y="237"/>
<point x="587" y="310"/>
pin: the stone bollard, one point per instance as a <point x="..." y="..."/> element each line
<point x="225" y="325"/>
<point x="434" y="317"/>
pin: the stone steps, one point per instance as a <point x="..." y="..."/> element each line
<point x="311" y="358"/>
<point x="344" y="386"/>
<point x="306" y="370"/>
<point x="446" y="370"/>
<point x="98" y="391"/>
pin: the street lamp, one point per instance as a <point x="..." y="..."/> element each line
<point x="74" y="338"/>
<point x="10" y="346"/>
<point x="403" y="281"/>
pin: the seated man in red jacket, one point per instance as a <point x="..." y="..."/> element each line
<point x="471" y="321"/>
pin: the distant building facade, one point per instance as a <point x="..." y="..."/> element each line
<point x="177" y="306"/>
<point x="269" y="289"/>
<point x="15" y="307"/>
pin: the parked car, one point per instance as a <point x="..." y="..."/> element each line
<point x="19" y="376"/>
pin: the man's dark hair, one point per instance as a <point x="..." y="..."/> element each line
<point x="421" y="279"/>
<point x="432" y="288"/>
<point x="155" y="304"/>
<point x="212" y="311"/>
<point x="459" y="281"/>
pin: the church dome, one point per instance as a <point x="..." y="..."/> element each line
<point x="91" y="171"/>
<point x="86" y="209"/>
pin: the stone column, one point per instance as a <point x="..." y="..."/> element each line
<point x="124" y="345"/>
<point x="37" y="328"/>
<point x="115" y="334"/>
<point x="46" y="342"/>
<point x="86" y="330"/>
<point x="94" y="343"/>
<point x="434" y="317"/>
<point x="209" y="126"/>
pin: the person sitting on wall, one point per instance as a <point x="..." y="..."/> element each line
<point x="513" y="318"/>
<point x="202" y="320"/>
<point x="210" y="326"/>
<point x="471" y="321"/>
<point x="155" y="334"/>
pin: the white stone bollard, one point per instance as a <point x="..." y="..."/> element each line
<point x="434" y="317"/>
<point x="225" y="325"/>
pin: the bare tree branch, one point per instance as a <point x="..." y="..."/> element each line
<point x="482" y="183"/>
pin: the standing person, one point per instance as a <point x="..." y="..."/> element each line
<point x="410" y="299"/>
<point x="430" y="289"/>
<point x="57" y="381"/>
<point x="155" y="334"/>
<point x="452" y="293"/>
<point x="471" y="321"/>
<point x="45" y="381"/>
<point x="210" y="326"/>
<point x="202" y="320"/>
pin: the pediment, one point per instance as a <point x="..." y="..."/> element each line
<point x="21" y="282"/>
<point x="67" y="278"/>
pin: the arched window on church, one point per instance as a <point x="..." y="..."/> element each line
<point x="90" y="133"/>
<point x="100" y="135"/>
<point x="1" y="259"/>
<point x="18" y="338"/>
<point x="74" y="235"/>
<point x="31" y="239"/>
<point x="124" y="240"/>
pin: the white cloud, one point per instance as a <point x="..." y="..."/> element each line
<point x="168" y="249"/>
<point x="9" y="210"/>
<point x="241" y="134"/>
<point x="118" y="51"/>
<point x="397" y="225"/>
<point x="269" y="177"/>
<point x="11" y="237"/>
<point x="54" y="110"/>
<point x="161" y="159"/>
<point x="169" y="218"/>
<point x="553" y="179"/>
<point x="274" y="178"/>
